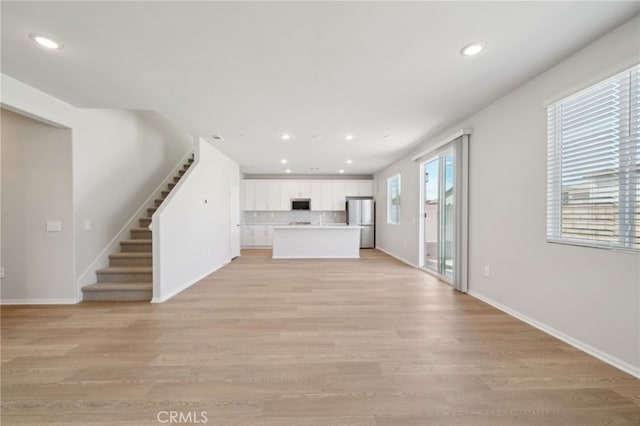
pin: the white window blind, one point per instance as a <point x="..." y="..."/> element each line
<point x="593" y="176"/>
<point x="393" y="200"/>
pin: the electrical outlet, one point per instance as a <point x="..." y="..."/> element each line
<point x="487" y="271"/>
<point x="87" y="225"/>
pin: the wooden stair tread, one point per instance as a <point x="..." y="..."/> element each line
<point x="132" y="254"/>
<point x="146" y="241"/>
<point x="117" y="286"/>
<point x="125" y="269"/>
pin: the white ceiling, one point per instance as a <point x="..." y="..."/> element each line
<point x="388" y="72"/>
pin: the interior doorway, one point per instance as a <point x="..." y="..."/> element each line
<point x="234" y="222"/>
<point x="36" y="212"/>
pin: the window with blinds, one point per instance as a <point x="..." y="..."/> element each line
<point x="393" y="200"/>
<point x="593" y="176"/>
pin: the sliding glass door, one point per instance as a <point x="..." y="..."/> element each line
<point x="444" y="194"/>
<point x="439" y="213"/>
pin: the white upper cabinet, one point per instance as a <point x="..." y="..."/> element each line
<point x="339" y="193"/>
<point x="359" y="188"/>
<point x="325" y="195"/>
<point x="261" y="203"/>
<point x="286" y="189"/>
<point x="249" y="194"/>
<point x="263" y="195"/>
<point x="316" y="196"/>
<point x="333" y="195"/>
<point x="274" y="196"/>
<point x="301" y="189"/>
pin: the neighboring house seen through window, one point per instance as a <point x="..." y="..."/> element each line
<point x="593" y="176"/>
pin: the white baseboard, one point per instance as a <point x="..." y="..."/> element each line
<point x="182" y="288"/>
<point x="401" y="259"/>
<point x="597" y="353"/>
<point x="38" y="301"/>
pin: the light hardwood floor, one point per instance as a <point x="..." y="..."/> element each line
<point x="261" y="342"/>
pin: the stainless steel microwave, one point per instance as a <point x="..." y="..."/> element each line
<point x="300" y="204"/>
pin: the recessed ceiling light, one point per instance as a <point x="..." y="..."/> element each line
<point x="349" y="137"/>
<point x="283" y="161"/>
<point x="349" y="161"/>
<point x="471" y="49"/>
<point x="288" y="171"/>
<point x="341" y="171"/>
<point x="316" y="137"/>
<point x="285" y="136"/>
<point x="45" y="42"/>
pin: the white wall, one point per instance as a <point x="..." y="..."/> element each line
<point x="119" y="158"/>
<point x="115" y="170"/>
<point x="400" y="240"/>
<point x="36" y="187"/>
<point x="191" y="230"/>
<point x="589" y="297"/>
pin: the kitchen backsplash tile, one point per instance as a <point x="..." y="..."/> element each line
<point x="285" y="218"/>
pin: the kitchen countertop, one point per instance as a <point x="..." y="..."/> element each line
<point x="281" y="225"/>
<point x="337" y="225"/>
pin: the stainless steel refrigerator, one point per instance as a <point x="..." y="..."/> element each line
<point x="361" y="212"/>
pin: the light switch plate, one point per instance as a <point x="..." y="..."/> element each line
<point x="2" y="272"/>
<point x="87" y="225"/>
<point x="487" y="271"/>
<point x="54" y="226"/>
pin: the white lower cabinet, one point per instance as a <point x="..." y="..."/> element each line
<point x="263" y="236"/>
<point x="246" y="236"/>
<point x="256" y="236"/>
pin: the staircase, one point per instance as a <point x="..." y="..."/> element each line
<point x="129" y="276"/>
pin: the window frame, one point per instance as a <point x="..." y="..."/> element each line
<point x="625" y="173"/>
<point x="394" y="218"/>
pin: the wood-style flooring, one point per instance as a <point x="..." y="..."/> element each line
<point x="262" y="342"/>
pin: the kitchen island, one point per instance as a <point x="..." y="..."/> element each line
<point x="316" y="242"/>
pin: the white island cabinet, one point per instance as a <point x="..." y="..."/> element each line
<point x="316" y="242"/>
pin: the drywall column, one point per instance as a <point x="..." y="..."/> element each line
<point x="191" y="236"/>
<point x="36" y="191"/>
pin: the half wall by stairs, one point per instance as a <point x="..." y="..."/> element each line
<point x="129" y="274"/>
